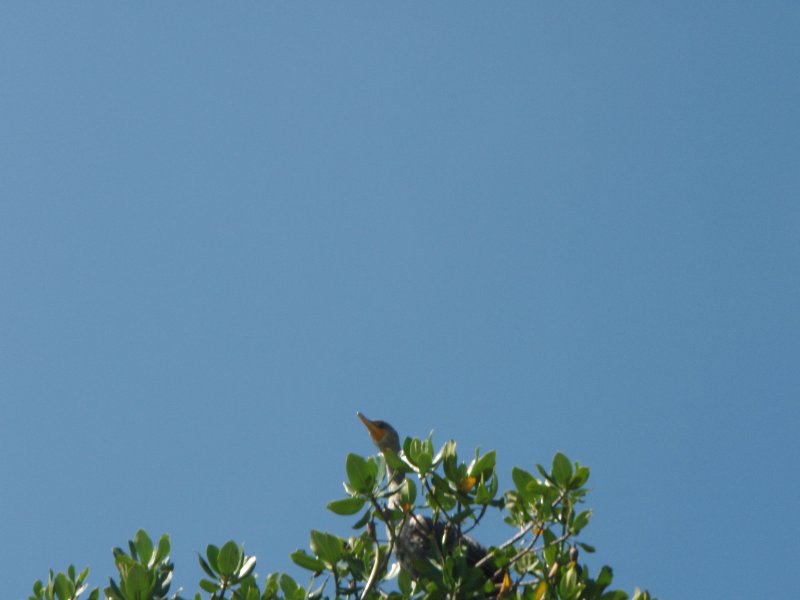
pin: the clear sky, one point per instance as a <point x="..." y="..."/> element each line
<point x="227" y="226"/>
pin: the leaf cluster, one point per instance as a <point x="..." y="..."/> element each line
<point x="430" y="493"/>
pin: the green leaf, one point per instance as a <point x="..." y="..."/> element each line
<point x="483" y="465"/>
<point x="63" y="587"/>
<point x="580" y="478"/>
<point x="524" y="482"/>
<point x="113" y="591"/>
<point x="605" y="576"/>
<point x="449" y="460"/>
<point x="408" y="492"/>
<point x="206" y="567"/>
<point x="395" y="462"/>
<point x="162" y="552"/>
<point x="614" y="595"/>
<point x="568" y="584"/>
<point x="327" y="547"/>
<point x="420" y="453"/>
<point x="586" y="547"/>
<point x="484" y="495"/>
<point x="562" y="469"/>
<point x="230" y="555"/>
<point x="348" y="506"/>
<point x="247" y="567"/>
<point x="363" y="520"/>
<point x="212" y="552"/>
<point x="301" y="559"/>
<point x="82" y="575"/>
<point x="94" y="594"/>
<point x="404" y="582"/>
<point x="144" y="546"/>
<point x="580" y="521"/>
<point x="288" y="585"/>
<point x="137" y="583"/>
<point x="271" y="585"/>
<point x="551" y="548"/>
<point x="360" y="473"/>
<point x="209" y="586"/>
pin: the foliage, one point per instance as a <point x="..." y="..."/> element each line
<point x="541" y="561"/>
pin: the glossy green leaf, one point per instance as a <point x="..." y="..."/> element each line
<point x="301" y="559"/>
<point x="404" y="582"/>
<point x="63" y="587"/>
<point x="420" y="454"/>
<point x="449" y="459"/>
<point x="94" y="594"/>
<point x="567" y="586"/>
<point x="580" y="477"/>
<point x="614" y="595"/>
<point x="483" y="494"/>
<point x="580" y="521"/>
<point x="363" y="520"/>
<point x="360" y="473"/>
<point x="524" y="483"/>
<point x="137" y="583"/>
<point x="605" y="576"/>
<point x="230" y="555"/>
<point x="408" y="492"/>
<point x="483" y="465"/>
<point x="144" y="546"/>
<point x="288" y="585"/>
<point x="247" y="567"/>
<point x="347" y="506"/>
<point x="212" y="552"/>
<point x="209" y="586"/>
<point x="543" y="472"/>
<point x="550" y="551"/>
<point x="252" y="594"/>
<point x="327" y="547"/>
<point x="562" y="469"/>
<point x="395" y="462"/>
<point x="271" y="585"/>
<point x="113" y="591"/>
<point x="206" y="567"/>
<point x="162" y="551"/>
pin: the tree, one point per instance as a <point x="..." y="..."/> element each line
<point x="540" y="561"/>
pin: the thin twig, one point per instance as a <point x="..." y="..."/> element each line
<point x="506" y="544"/>
<point x="379" y="564"/>
<point x="477" y="520"/>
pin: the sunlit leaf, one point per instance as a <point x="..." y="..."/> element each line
<point x="562" y="469"/>
<point x="301" y="559"/>
<point x="360" y="473"/>
<point x="144" y="546"/>
<point x="230" y="555"/>
<point x="347" y="506"/>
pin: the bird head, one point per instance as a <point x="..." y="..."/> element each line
<point x="383" y="435"/>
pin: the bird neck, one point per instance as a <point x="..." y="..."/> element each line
<point x="396" y="479"/>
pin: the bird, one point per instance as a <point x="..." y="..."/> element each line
<point x="417" y="537"/>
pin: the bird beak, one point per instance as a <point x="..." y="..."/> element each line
<point x="375" y="432"/>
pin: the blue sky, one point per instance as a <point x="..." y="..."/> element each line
<point x="225" y="227"/>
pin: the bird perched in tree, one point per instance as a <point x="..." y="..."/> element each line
<point x="417" y="538"/>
